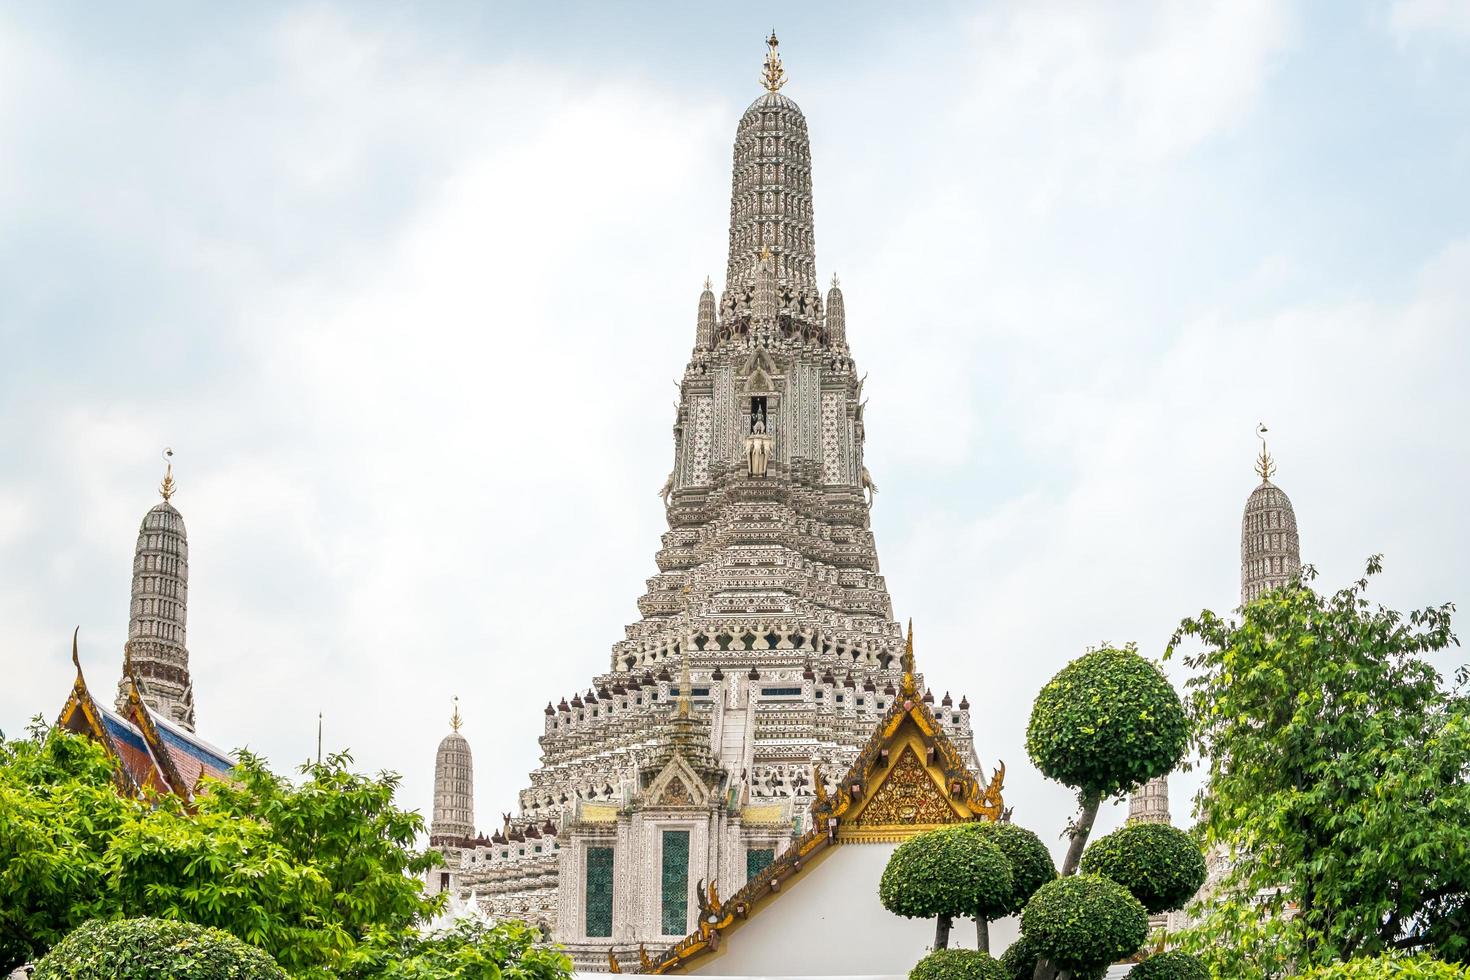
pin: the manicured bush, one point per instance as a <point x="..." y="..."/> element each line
<point x="147" y="949"/>
<point x="1170" y="965"/>
<point x="1019" y="963"/>
<point x="1031" y="863"/>
<point x="1161" y="865"/>
<point x="1083" y="922"/>
<point x="945" y="873"/>
<point x="1107" y="721"/>
<point x="958" y="964"/>
<point x="1389" y="968"/>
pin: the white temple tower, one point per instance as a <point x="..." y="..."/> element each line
<point x="1270" y="551"/>
<point x="158" y="617"/>
<point x="454" y="788"/>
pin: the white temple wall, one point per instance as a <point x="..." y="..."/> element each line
<point x="831" y="923"/>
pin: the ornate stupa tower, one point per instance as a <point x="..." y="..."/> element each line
<point x="767" y="605"/>
<point x="158" y="617"/>
<point x="454" y="787"/>
<point x="1270" y="551"/>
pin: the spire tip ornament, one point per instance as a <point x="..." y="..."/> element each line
<point x="455" y="721"/>
<point x="773" y="76"/>
<point x="1265" y="465"/>
<point x="167" y="487"/>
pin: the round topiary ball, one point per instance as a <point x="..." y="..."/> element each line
<point x="948" y="871"/>
<point x="1083" y="922"/>
<point x="1161" y="865"/>
<point x="958" y="964"/>
<point x="1170" y="965"/>
<point x="1107" y="721"/>
<point x="1031" y="863"/>
<point x="146" y="949"/>
<point x="1019" y="963"/>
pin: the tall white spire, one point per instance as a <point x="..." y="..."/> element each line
<point x="157" y="653"/>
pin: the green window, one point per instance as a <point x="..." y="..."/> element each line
<point x="599" y="891"/>
<point x="676" y="882"/>
<point x="758" y="859"/>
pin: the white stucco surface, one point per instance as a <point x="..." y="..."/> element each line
<point x="830" y="923"/>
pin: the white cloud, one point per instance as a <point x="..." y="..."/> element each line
<point x="1439" y="20"/>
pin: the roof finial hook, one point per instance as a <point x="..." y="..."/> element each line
<point x="167" y="487"/>
<point x="1265" y="465"/>
<point x="773" y="76"/>
<point x="455" y="720"/>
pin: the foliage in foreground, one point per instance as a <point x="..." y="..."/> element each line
<point x="958" y="964"/>
<point x="946" y="873"/>
<point x="1019" y="963"/>
<point x="1084" y="921"/>
<point x="305" y="872"/>
<point x="1161" y="865"/>
<point x="1388" y="968"/>
<point x="146" y="949"/>
<point x="1337" y="782"/>
<point x="1170" y="965"/>
<point x="469" y="951"/>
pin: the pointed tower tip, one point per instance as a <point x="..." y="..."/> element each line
<point x="167" y="487"/>
<point x="75" y="660"/>
<point x="773" y="76"/>
<point x="1265" y="465"/>
<point x="455" y="720"/>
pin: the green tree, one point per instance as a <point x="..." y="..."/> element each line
<point x="1105" y="723"/>
<point x="1020" y="959"/>
<point x="1083" y="922"/>
<point x="1162" y="866"/>
<point x="58" y="808"/>
<point x="469" y="951"/>
<point x="146" y="949"/>
<point x="946" y="873"/>
<point x="1170" y="965"/>
<point x="1389" y="968"/>
<point x="1031" y="867"/>
<point x="1338" y="764"/>
<point x="958" y="964"/>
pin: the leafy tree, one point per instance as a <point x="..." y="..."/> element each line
<point x="146" y="949"/>
<point x="958" y="964"/>
<point x="1031" y="867"/>
<point x="58" y="808"/>
<point x="1170" y="965"/>
<point x="1338" y="764"/>
<point x="1389" y="968"/>
<point x="1105" y="723"/>
<point x="1161" y="865"/>
<point x="945" y="873"/>
<point x="1020" y="959"/>
<point x="470" y="951"/>
<point x="1083" y="922"/>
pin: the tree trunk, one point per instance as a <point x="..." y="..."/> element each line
<point x="1080" y="834"/>
<point x="982" y="934"/>
<point x="941" y="932"/>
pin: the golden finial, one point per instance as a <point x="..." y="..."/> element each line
<point x="910" y="686"/>
<point x="773" y="76"/>
<point x="1265" y="465"/>
<point x="76" y="661"/>
<point x="455" y="720"/>
<point x="708" y="283"/>
<point x="684" y="689"/>
<point x="835" y="283"/>
<point x="167" y="487"/>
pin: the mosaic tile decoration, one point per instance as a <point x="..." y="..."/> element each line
<point x="675" y="897"/>
<point x="599" y="891"/>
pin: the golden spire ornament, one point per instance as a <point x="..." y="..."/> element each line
<point x="167" y="487"/>
<point x="1265" y="465"/>
<point x="455" y="720"/>
<point x="773" y="76"/>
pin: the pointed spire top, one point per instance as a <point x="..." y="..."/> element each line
<point x="76" y="661"/>
<point x="167" y="487"/>
<point x="684" y="689"/>
<point x="455" y="720"/>
<point x="1265" y="465"/>
<point x="773" y="76"/>
<point x="708" y="284"/>
<point x="910" y="685"/>
<point x="835" y="283"/>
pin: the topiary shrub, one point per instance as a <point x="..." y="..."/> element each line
<point x="1019" y="963"/>
<point x="1031" y="863"/>
<point x="942" y="874"/>
<point x="1083" y="922"/>
<point x="1107" y="721"/>
<point x="958" y="964"/>
<point x="1170" y="965"/>
<point x="1389" y="968"/>
<point x="147" y="949"/>
<point x="1161" y="865"/>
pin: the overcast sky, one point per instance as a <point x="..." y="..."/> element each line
<point x="406" y="288"/>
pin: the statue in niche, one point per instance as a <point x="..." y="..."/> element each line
<point x="758" y="443"/>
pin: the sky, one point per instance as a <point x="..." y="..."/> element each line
<point x="405" y="287"/>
